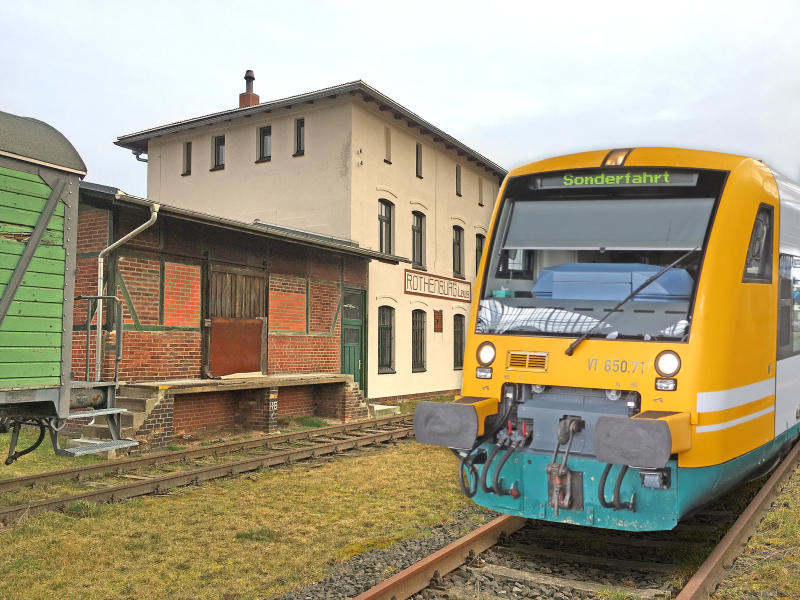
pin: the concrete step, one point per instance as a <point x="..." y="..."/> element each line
<point x="383" y="410"/>
<point x="102" y="432"/>
<point x="134" y="404"/>
<point x="132" y="419"/>
<point x="133" y="391"/>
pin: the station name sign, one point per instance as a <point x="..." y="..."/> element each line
<point x="422" y="284"/>
<point x="636" y="177"/>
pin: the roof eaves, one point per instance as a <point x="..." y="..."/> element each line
<point x="137" y="141"/>
<point x="117" y="196"/>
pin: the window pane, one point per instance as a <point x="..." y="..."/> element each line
<point x="479" y="239"/>
<point x="385" y="338"/>
<point x="351" y="306"/>
<point x="458" y="251"/>
<point x="417" y="239"/>
<point x="385" y="226"/>
<point x="265" y="144"/>
<point x="458" y="341"/>
<point x="219" y="151"/>
<point x="419" y="160"/>
<point x="418" y="340"/>
<point x="187" y="158"/>
<point x="458" y="179"/>
<point x="758" y="266"/>
<point x="299" y="136"/>
<point x="654" y="224"/>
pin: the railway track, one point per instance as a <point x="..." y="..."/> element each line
<point x="510" y="557"/>
<point x="140" y="475"/>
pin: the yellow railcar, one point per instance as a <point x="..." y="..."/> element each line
<point x="634" y="345"/>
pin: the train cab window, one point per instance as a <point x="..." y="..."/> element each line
<point x="561" y="259"/>
<point x="758" y="265"/>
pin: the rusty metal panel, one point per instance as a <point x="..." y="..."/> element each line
<point x="235" y="345"/>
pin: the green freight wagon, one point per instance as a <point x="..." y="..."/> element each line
<point x="39" y="177"/>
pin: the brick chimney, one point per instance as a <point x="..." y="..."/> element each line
<point x="248" y="98"/>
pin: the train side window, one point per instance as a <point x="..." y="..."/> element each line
<point x="758" y="265"/>
<point x="785" y="307"/>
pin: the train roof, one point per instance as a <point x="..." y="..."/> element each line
<point x="34" y="141"/>
<point x="637" y="157"/>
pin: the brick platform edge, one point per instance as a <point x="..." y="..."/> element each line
<point x="420" y="396"/>
<point x="177" y="414"/>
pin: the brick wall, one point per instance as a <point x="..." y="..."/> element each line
<point x="157" y="430"/>
<point x="287" y="303"/>
<point x="159" y="355"/>
<point x="193" y="412"/>
<point x="182" y="295"/>
<point x="296" y="401"/>
<point x="142" y="278"/>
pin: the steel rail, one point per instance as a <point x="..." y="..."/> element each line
<point x="129" y="464"/>
<point x="418" y="576"/>
<point x="703" y="583"/>
<point x="165" y="482"/>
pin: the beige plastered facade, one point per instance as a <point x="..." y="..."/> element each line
<point x="334" y="188"/>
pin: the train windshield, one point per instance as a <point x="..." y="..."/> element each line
<point x="563" y="257"/>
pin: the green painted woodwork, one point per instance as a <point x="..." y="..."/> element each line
<point x="30" y="382"/>
<point x="23" y="202"/>
<point x="24" y="186"/>
<point x="43" y="251"/>
<point x="36" y="294"/>
<point x="30" y="355"/>
<point x="20" y="175"/>
<point x="28" y="217"/>
<point x="37" y="265"/>
<point x="35" y="309"/>
<point x="16" y="339"/>
<point x="43" y="280"/>
<point x="12" y="323"/>
<point x="30" y="336"/>
<point x="50" y="238"/>
<point x="34" y="369"/>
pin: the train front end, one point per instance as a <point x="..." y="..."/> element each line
<point x="595" y="328"/>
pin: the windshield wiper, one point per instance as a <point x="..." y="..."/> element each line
<point x="571" y="348"/>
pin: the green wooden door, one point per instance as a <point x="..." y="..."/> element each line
<point x="353" y="335"/>
<point x="30" y="336"/>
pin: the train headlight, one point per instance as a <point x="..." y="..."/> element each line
<point x="486" y="353"/>
<point x="668" y="363"/>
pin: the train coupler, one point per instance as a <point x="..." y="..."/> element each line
<point x="565" y="487"/>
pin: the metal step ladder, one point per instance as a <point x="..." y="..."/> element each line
<point x="112" y="416"/>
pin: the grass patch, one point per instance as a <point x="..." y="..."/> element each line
<point x="174" y="448"/>
<point x="769" y="567"/>
<point x="297" y="423"/>
<point x="407" y="406"/>
<point x="212" y="442"/>
<point x="258" y="535"/>
<point x="190" y="544"/>
<point x="42" y="459"/>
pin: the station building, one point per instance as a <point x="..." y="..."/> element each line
<point x="350" y="163"/>
<point x="224" y="324"/>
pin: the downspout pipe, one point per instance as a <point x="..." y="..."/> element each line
<point x="98" y="354"/>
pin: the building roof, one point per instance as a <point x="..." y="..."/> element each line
<point x="332" y="244"/>
<point x="137" y="142"/>
<point x="35" y="141"/>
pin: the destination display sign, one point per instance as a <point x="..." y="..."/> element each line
<point x="653" y="177"/>
<point x="422" y="284"/>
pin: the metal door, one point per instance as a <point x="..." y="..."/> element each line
<point x="353" y="312"/>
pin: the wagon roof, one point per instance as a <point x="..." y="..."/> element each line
<point x="35" y="141"/>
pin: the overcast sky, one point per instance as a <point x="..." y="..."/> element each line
<point x="515" y="81"/>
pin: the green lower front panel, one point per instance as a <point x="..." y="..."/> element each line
<point x="654" y="509"/>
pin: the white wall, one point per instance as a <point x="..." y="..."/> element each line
<point x="308" y="192"/>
